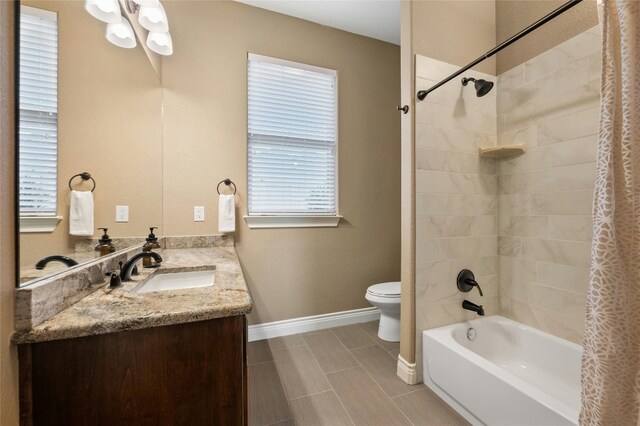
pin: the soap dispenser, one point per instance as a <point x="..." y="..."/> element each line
<point x="152" y="243"/>
<point x="105" y="246"/>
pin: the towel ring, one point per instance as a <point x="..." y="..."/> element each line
<point x="84" y="176"/>
<point x="227" y="182"/>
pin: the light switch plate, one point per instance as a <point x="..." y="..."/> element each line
<point x="198" y="214"/>
<point x="122" y="213"/>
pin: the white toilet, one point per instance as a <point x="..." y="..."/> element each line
<point x="386" y="297"/>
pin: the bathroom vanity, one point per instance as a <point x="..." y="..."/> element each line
<point x="125" y="356"/>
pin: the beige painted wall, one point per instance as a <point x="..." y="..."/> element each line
<point x="291" y="272"/>
<point x="8" y="353"/>
<point x="109" y="124"/>
<point x="514" y="15"/>
<point x="456" y="32"/>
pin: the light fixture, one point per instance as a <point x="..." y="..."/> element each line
<point x="121" y="34"/>
<point x="105" y="10"/>
<point x="154" y="19"/>
<point x="160" y="43"/>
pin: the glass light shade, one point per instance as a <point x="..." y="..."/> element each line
<point x="147" y="3"/>
<point x="121" y="34"/>
<point x="160" y="43"/>
<point x="105" y="10"/>
<point x="154" y="18"/>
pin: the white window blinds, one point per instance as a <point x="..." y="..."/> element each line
<point x="292" y="138"/>
<point x="38" y="115"/>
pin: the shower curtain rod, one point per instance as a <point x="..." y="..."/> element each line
<point x="568" y="5"/>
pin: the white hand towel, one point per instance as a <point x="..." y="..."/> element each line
<point x="81" y="213"/>
<point x="227" y="213"/>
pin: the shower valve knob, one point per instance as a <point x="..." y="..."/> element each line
<point x="467" y="281"/>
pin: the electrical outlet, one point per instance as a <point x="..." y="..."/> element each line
<point x="122" y="213"/>
<point x="198" y="214"/>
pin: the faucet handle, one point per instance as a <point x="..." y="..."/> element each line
<point x="474" y="283"/>
<point x="115" y="281"/>
<point x="466" y="281"/>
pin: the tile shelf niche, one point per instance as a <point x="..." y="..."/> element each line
<point x="502" y="151"/>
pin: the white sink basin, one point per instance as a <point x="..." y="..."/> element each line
<point x="178" y="281"/>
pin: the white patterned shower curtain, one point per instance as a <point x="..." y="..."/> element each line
<point x="611" y="360"/>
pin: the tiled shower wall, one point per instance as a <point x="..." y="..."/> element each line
<point x="456" y="198"/>
<point x="550" y="103"/>
<point x="522" y="224"/>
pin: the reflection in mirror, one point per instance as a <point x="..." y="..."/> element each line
<point x="86" y="105"/>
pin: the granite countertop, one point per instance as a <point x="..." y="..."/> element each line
<point x="113" y="310"/>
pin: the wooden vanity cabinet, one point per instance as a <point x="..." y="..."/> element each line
<point x="184" y="374"/>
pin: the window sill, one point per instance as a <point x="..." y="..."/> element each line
<point x="262" y="222"/>
<point x="34" y="224"/>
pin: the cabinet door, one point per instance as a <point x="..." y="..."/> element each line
<point x="186" y="374"/>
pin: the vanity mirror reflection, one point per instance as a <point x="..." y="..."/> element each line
<point x="86" y="105"/>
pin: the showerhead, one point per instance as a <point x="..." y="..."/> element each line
<point x="482" y="86"/>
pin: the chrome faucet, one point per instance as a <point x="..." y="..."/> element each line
<point x="127" y="268"/>
<point x="64" y="259"/>
<point x="470" y="306"/>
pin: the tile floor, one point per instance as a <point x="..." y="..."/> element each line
<point x="338" y="376"/>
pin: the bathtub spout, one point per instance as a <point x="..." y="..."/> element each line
<point x="470" y="306"/>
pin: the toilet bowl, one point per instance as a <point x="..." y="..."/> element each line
<point x="386" y="297"/>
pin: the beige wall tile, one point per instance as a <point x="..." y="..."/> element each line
<point x="546" y="195"/>
<point x="452" y="118"/>
<point x="576" y="151"/>
<point x="525" y="136"/>
<point x="509" y="246"/>
<point x="565" y="252"/>
<point x="567" y="127"/>
<point x="562" y="301"/>
<point x="561" y="56"/>
<point x="584" y="97"/>
<point x="575" y="176"/>
<point x="562" y="203"/>
<point x="564" y="277"/>
<point x="563" y="80"/>
<point x="511" y="79"/>
<point x="576" y="228"/>
<point x="515" y="204"/>
<point x="524" y="226"/>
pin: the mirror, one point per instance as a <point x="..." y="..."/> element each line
<point x="86" y="106"/>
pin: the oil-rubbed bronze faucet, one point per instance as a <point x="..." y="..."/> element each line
<point x="127" y="268"/>
<point x="55" y="258"/>
<point x="470" y="306"/>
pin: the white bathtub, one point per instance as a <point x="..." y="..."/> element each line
<point x="511" y="374"/>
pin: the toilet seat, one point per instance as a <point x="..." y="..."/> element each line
<point x="386" y="290"/>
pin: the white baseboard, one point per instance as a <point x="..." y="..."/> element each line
<point x="318" y="322"/>
<point x="407" y="371"/>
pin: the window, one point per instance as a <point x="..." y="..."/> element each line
<point x="38" y="117"/>
<point x="292" y="144"/>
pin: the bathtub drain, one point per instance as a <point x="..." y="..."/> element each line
<point x="471" y="333"/>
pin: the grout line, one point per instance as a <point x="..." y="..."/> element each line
<point x="410" y="392"/>
<point x="311" y="394"/>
